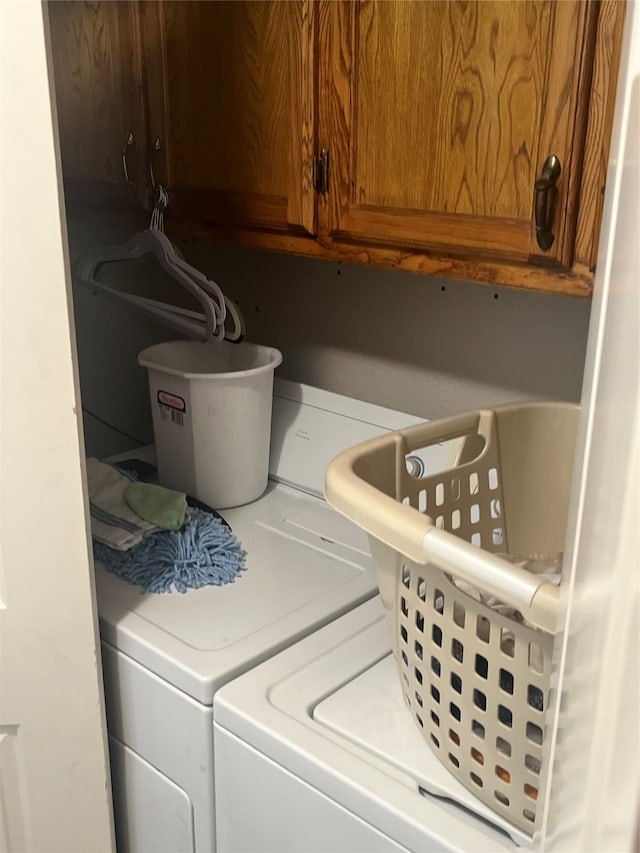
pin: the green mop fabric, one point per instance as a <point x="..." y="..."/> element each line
<point x="157" y="505"/>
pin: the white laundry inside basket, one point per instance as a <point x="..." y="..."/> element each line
<point x="547" y="566"/>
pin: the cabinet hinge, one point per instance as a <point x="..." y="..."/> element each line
<point x="321" y="171"/>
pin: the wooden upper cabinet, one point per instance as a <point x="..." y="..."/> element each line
<point x="232" y="102"/>
<point x="97" y="97"/>
<point x="440" y="116"/>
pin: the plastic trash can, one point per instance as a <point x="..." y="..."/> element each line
<point x="211" y="407"/>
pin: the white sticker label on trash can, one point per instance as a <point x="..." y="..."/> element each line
<point x="172" y="407"/>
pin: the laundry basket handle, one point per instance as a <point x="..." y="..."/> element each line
<point x="532" y="595"/>
<point x="362" y="483"/>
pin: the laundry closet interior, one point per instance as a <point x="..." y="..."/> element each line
<point x="404" y="200"/>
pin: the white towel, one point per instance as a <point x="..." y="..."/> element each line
<point x="112" y="522"/>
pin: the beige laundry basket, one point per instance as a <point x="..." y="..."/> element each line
<point x="476" y="681"/>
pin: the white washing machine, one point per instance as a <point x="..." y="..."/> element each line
<point x="165" y="656"/>
<point x="316" y="752"/>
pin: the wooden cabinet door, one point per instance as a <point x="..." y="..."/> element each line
<point x="95" y="54"/>
<point x="440" y="116"/>
<point x="232" y="101"/>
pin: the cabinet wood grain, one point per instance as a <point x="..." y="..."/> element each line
<point x="443" y="115"/>
<point x="97" y="77"/>
<point x="600" y="120"/>
<point x="438" y="117"/>
<point x="232" y="93"/>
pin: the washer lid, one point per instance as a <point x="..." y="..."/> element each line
<point x="305" y="566"/>
<point x="330" y="710"/>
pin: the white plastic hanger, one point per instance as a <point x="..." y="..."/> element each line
<point x="234" y="335"/>
<point x="209" y="324"/>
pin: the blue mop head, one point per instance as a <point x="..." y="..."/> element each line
<point x="204" y="552"/>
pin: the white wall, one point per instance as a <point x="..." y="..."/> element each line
<point x="594" y="789"/>
<point x="54" y="775"/>
<point x="427" y="346"/>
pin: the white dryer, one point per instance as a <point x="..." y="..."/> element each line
<point x="316" y="751"/>
<point x="165" y="656"/>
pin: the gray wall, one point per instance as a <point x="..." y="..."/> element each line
<point x="427" y="346"/>
<point x="109" y="337"/>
